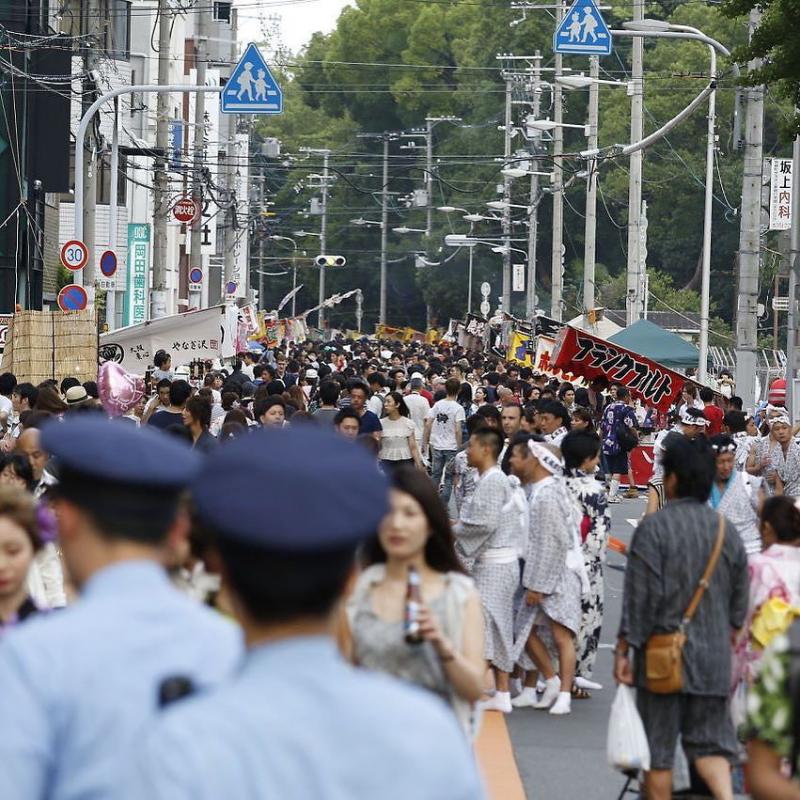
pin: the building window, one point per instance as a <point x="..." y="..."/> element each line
<point x="104" y="181"/>
<point x="222" y="11"/>
<point x="118" y="31"/>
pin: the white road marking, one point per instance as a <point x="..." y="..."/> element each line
<point x="633" y="522"/>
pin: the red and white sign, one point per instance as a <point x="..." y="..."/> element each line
<point x="74" y="255"/>
<point x="186" y="210"/>
<point x="586" y="355"/>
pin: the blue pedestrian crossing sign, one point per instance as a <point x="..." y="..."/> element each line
<point x="582" y="32"/>
<point x="251" y="88"/>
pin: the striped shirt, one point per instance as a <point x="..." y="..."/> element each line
<point x="667" y="556"/>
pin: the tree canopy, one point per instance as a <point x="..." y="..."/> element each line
<point x="389" y="64"/>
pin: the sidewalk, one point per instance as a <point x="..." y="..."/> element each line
<point x="496" y="759"/>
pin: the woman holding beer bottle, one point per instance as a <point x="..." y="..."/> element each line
<point x="19" y="542"/>
<point x="413" y="613"/>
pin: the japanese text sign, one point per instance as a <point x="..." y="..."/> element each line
<point x="586" y="355"/>
<point x="780" y="195"/>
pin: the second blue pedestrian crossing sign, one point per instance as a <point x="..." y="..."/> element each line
<point x="251" y="88"/>
<point x="583" y="32"/>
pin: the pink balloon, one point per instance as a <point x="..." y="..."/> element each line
<point x="119" y="390"/>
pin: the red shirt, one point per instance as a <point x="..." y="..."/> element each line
<point x="427" y="395"/>
<point x="714" y="415"/>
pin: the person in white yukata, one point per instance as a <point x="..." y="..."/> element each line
<point x="298" y="722"/>
<point x="486" y="542"/>
<point x="79" y="684"/>
<point x="554" y="579"/>
<point x="736" y="495"/>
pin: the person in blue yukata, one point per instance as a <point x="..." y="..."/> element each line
<point x="298" y="721"/>
<point x="78" y="685"/>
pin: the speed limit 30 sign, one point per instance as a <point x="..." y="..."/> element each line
<point x="74" y="255"/>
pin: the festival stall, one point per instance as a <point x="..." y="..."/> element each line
<point x="655" y="385"/>
<point x="212" y="333"/>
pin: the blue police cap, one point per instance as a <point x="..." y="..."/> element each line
<point x="291" y="490"/>
<point x="112" y="452"/>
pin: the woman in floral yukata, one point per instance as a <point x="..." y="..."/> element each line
<point x="581" y="452"/>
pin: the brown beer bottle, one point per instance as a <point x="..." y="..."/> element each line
<point x="413" y="601"/>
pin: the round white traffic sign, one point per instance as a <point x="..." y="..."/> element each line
<point x="74" y="255"/>
<point x="486" y="290"/>
<point x="485" y="308"/>
<point x="186" y="210"/>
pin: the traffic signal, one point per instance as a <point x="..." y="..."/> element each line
<point x="330" y="261"/>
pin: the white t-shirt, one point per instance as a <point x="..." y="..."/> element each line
<point x="6" y="406"/>
<point x="446" y="416"/>
<point x="418" y="408"/>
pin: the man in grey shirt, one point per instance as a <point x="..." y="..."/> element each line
<point x="666" y="560"/>
<point x="328" y="395"/>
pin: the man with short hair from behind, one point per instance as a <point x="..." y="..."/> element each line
<point x="443" y="435"/>
<point x="79" y="685"/>
<point x="298" y="721"/>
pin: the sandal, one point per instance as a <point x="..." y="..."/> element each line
<point x="580" y="694"/>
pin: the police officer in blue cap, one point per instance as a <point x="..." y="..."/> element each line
<point x="298" y="721"/>
<point x="78" y="685"/>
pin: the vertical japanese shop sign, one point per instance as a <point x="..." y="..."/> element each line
<point x="138" y="272"/>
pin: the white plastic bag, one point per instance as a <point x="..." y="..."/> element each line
<point x="627" y="742"/>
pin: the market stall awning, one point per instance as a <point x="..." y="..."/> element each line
<point x="654" y="384"/>
<point x="667" y="348"/>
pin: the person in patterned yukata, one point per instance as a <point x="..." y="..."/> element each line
<point x="736" y="495"/>
<point x="777" y="457"/>
<point x="550" y="616"/>
<point x="581" y="451"/>
<point x="486" y="543"/>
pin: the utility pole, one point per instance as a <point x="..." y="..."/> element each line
<point x="384" y="227"/>
<point x="557" y="266"/>
<point x="158" y="297"/>
<point x="750" y="237"/>
<point x="323" y="234"/>
<point x="93" y="25"/>
<point x="794" y="268"/>
<point x="533" y="221"/>
<point x="201" y="66"/>
<point x="234" y="161"/>
<point x="634" y="304"/>
<point x="507" y="201"/>
<point x="590" y="236"/>
<point x="429" y="121"/>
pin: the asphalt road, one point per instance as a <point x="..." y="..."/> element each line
<point x="561" y="758"/>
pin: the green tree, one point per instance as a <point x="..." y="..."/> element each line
<point x="775" y="42"/>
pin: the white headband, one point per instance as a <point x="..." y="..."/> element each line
<point x="779" y="419"/>
<point x="546" y="457"/>
<point x="689" y="419"/>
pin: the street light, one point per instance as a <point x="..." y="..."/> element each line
<point x="521" y="172"/>
<point x="582" y="81"/>
<point x="660" y="29"/>
<point x="361" y="222"/>
<point x="502" y="249"/>
<point x="502" y="205"/>
<point x="451" y="209"/>
<point x="404" y="229"/>
<point x="277" y="238"/>
<point x="549" y="125"/>
<point x="300" y="234"/>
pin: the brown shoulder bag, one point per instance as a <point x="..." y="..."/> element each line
<point x="663" y="654"/>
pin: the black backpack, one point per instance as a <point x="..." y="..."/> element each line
<point x="626" y="437"/>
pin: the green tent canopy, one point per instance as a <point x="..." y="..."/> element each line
<point x="663" y="347"/>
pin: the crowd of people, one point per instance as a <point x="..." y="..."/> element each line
<point x="482" y="485"/>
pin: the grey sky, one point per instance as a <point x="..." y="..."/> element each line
<point x="300" y="19"/>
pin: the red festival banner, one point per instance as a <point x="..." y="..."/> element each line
<point x="586" y="355"/>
